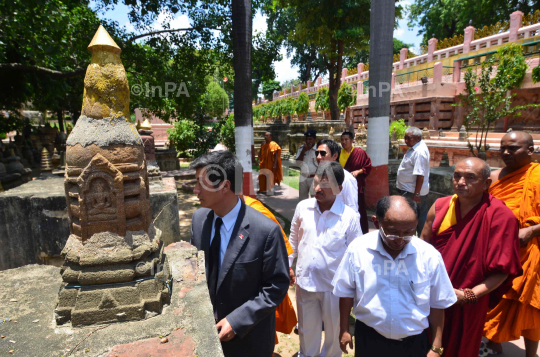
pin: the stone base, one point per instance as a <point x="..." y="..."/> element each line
<point x="90" y="305"/>
<point x="29" y="296"/>
<point x="34" y="223"/>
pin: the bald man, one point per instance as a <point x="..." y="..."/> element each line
<point x="518" y="185"/>
<point x="477" y="236"/>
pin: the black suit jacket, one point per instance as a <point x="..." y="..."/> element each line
<point x="253" y="279"/>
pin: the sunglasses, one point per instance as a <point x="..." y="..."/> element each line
<point x="322" y="153"/>
<point x="392" y="237"/>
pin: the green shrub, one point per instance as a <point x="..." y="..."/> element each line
<point x="302" y="104"/>
<point x="400" y="128"/>
<point x="183" y="135"/>
<point x="536" y="74"/>
<point x="346" y="96"/>
<point x="322" y="101"/>
<point x="512" y="66"/>
<point x="226" y="133"/>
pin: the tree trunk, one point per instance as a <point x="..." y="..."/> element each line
<point x="381" y="47"/>
<point x="243" y="121"/>
<point x="334" y="83"/>
<point x="60" y="115"/>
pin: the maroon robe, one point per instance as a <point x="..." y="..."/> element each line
<point x="356" y="161"/>
<point x="483" y="243"/>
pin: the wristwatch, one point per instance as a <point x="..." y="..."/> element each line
<point x="416" y="194"/>
<point x="438" y="350"/>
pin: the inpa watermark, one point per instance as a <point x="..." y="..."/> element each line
<point x="171" y="89"/>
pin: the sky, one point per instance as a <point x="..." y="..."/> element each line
<point x="284" y="70"/>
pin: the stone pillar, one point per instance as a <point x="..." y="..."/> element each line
<point x="412" y="110"/>
<point x="309" y="84"/>
<point x="432" y="47"/>
<point x="292" y="89"/>
<point x="360" y="68"/>
<point x="114" y="250"/>
<point x="468" y="38"/>
<point x="457" y="71"/>
<point x="437" y="72"/>
<point x="516" y="19"/>
<point x="344" y="73"/>
<point x="359" y="91"/>
<point x="393" y="85"/>
<point x="284" y="91"/>
<point x="402" y="57"/>
<point x="319" y="81"/>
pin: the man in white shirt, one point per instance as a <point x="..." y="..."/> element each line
<point x="413" y="173"/>
<point x="398" y="286"/>
<point x="328" y="150"/>
<point x="307" y="161"/>
<point x="321" y="230"/>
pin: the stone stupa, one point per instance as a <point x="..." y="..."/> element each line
<point x="114" y="264"/>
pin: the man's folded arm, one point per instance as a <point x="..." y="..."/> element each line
<point x="275" y="286"/>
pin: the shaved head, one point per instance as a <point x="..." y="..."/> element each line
<point x="481" y="165"/>
<point x="517" y="148"/>
<point x="471" y="178"/>
<point x="520" y="137"/>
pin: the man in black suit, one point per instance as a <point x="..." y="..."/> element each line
<point x="247" y="271"/>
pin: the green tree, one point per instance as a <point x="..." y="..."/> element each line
<point x="446" y="18"/>
<point x="226" y="133"/>
<point x="302" y="104"/>
<point x="487" y="98"/>
<point x="269" y="87"/>
<point x="343" y="27"/>
<point x="321" y="100"/>
<point x="216" y="100"/>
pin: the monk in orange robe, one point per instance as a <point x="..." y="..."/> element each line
<point x="285" y="315"/>
<point x="270" y="170"/>
<point x="518" y="185"/>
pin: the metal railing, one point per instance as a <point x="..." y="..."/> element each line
<point x="414" y="77"/>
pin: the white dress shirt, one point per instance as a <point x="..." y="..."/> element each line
<point x="308" y="166"/>
<point x="394" y="297"/>
<point x="226" y="229"/>
<point x="320" y="240"/>
<point x="349" y="193"/>
<point x="415" y="163"/>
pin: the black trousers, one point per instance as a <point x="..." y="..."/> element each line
<point x="370" y="343"/>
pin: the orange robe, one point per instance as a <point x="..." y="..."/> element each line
<point x="285" y="315"/>
<point x="518" y="313"/>
<point x="266" y="163"/>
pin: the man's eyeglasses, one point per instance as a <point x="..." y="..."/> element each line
<point x="322" y="153"/>
<point x="393" y="237"/>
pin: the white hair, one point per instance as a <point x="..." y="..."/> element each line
<point x="414" y="131"/>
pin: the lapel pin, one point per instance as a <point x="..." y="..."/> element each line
<point x="241" y="236"/>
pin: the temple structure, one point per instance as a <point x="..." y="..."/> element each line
<point x="114" y="266"/>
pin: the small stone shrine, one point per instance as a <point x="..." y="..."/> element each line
<point x="154" y="173"/>
<point x="114" y="267"/>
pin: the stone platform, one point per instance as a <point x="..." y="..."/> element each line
<point x="34" y="220"/>
<point x="28" y="298"/>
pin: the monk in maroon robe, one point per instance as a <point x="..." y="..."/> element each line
<point x="357" y="162"/>
<point x="477" y="236"/>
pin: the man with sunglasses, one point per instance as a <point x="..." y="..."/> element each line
<point x="397" y="284"/>
<point x="306" y="159"/>
<point x="328" y="150"/>
<point x="321" y="230"/>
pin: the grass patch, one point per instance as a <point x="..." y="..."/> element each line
<point x="291" y="181"/>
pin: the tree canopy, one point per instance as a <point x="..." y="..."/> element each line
<point x="43" y="54"/>
<point x="445" y="18"/>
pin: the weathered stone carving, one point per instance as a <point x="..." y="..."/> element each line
<point x="113" y="268"/>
